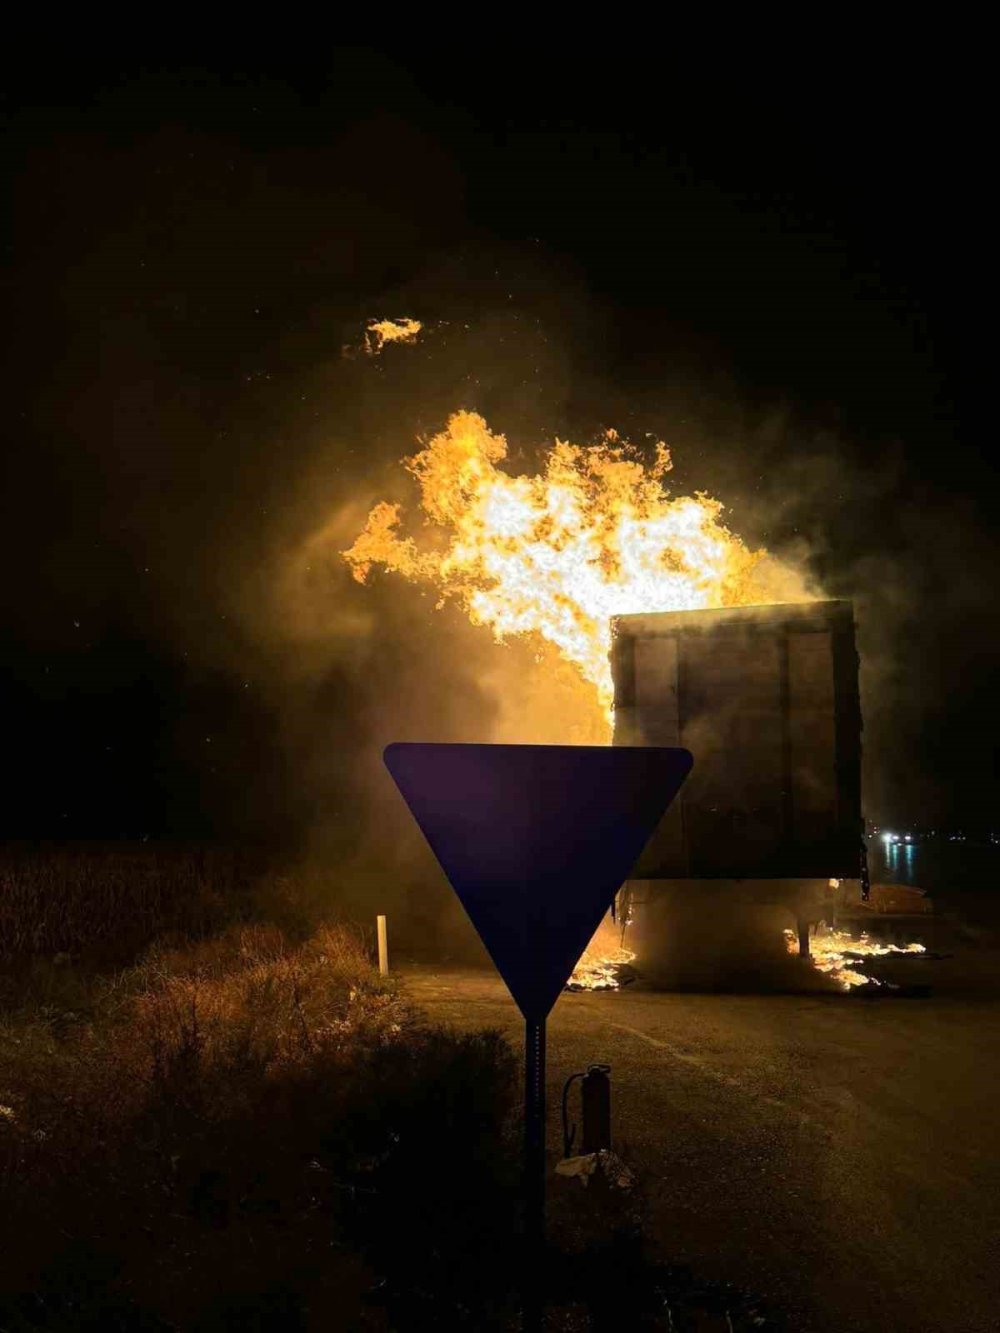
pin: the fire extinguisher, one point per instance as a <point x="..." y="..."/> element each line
<point x="595" y="1101"/>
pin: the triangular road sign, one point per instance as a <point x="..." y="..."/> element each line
<point x="536" y="840"/>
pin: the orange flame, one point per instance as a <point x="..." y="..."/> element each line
<point x="837" y="953"/>
<point x="594" y="535"/>
<point x="382" y="331"/>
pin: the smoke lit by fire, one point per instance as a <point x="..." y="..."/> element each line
<point x="592" y="536"/>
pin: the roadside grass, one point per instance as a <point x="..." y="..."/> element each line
<point x="248" y="1132"/>
<point x="216" y="1115"/>
<point x="110" y="901"/>
<point x="103" y="904"/>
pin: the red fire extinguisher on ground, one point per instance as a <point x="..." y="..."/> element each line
<point x="595" y="1103"/>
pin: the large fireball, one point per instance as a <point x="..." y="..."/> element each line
<point x="594" y="535"/>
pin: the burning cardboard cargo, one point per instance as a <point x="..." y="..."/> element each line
<point x="766" y="698"/>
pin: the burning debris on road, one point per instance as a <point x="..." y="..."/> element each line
<point x="603" y="971"/>
<point x="835" y="953"/>
<point x="840" y="955"/>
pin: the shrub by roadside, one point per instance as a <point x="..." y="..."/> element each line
<point x="249" y="1129"/>
<point x="250" y="1133"/>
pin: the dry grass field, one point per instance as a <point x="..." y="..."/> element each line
<point x="216" y="1115"/>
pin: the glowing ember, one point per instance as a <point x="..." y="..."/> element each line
<point x="594" y="535"/>
<point x="836" y="953"/>
<point x="382" y="331"/>
<point x="602" y="971"/>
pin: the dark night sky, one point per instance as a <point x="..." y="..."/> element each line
<point x="781" y="275"/>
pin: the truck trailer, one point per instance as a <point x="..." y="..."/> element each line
<point x="766" y="699"/>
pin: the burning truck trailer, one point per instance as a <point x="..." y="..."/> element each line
<point x="765" y="696"/>
<point x="766" y="840"/>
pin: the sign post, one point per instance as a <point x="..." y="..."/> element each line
<point x="536" y="840"/>
<point x="534" y="1135"/>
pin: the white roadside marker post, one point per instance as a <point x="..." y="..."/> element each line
<point x="383" y="946"/>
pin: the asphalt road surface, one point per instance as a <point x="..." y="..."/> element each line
<point x="836" y="1156"/>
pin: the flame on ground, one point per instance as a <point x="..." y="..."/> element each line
<point x="837" y="954"/>
<point x="606" y="971"/>
<point x="592" y="536"/>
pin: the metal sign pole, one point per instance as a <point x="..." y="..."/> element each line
<point x="534" y="1171"/>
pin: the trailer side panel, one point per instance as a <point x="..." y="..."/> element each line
<point x="766" y="699"/>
